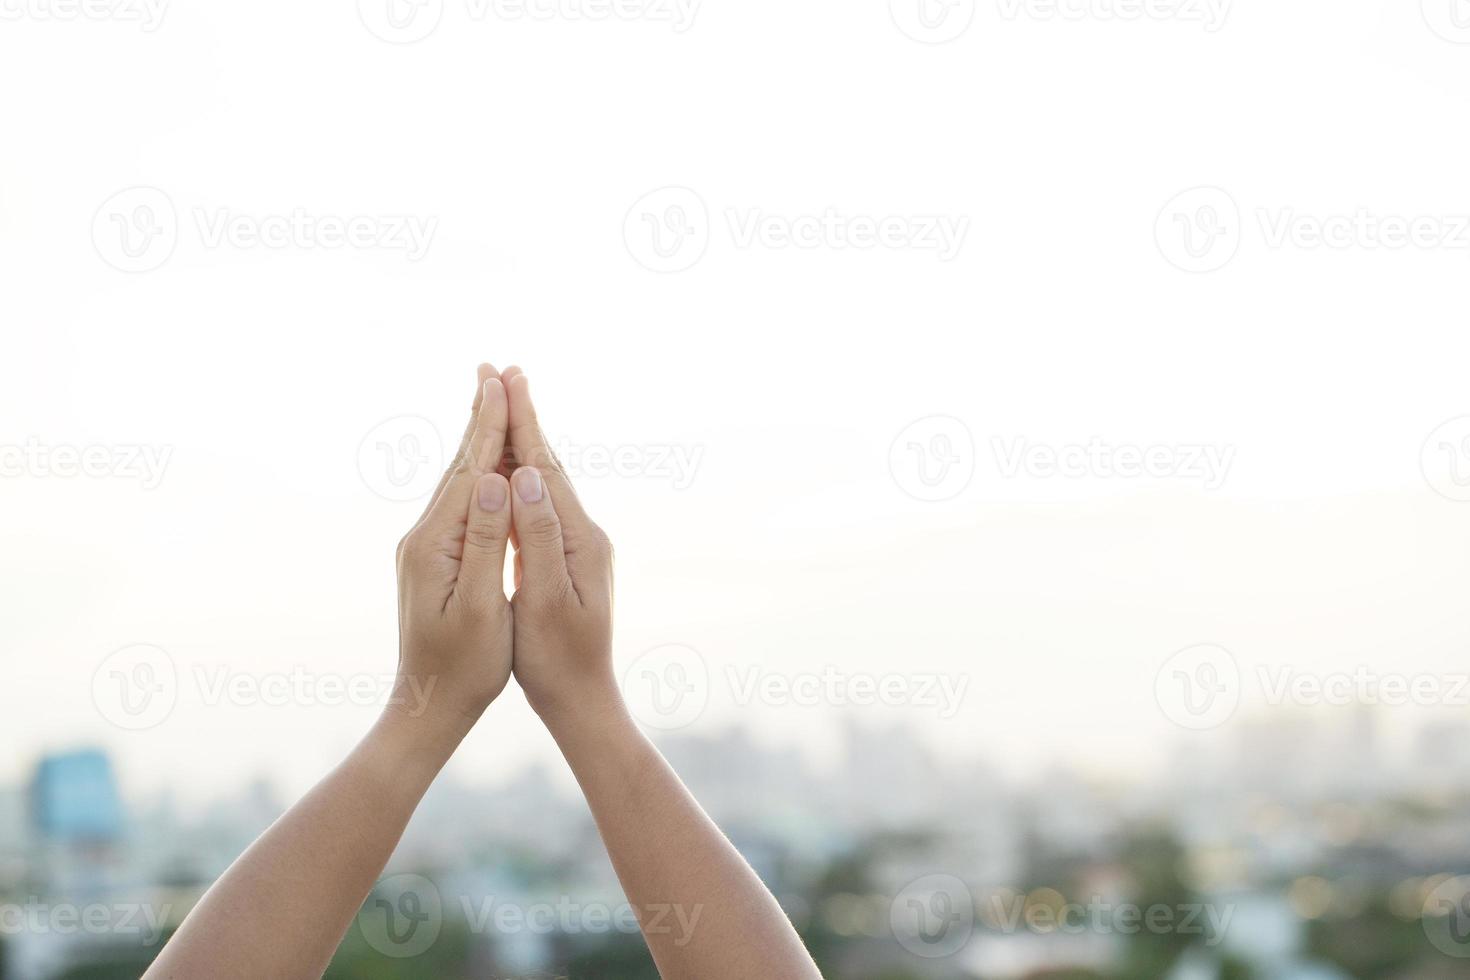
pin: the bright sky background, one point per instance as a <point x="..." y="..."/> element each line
<point x="792" y="371"/>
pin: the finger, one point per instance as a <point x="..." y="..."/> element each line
<point x="529" y="447"/>
<point x="482" y="454"/>
<point x="484" y="373"/>
<point x="508" y="464"/>
<point x="486" y="536"/>
<point x="541" y="554"/>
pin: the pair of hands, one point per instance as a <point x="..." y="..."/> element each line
<point x="457" y="629"/>
<point x="281" y="909"/>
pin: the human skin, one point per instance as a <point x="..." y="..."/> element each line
<point x="281" y="909"/>
<point x="673" y="862"/>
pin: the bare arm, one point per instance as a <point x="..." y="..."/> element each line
<point x="703" y="911"/>
<point x="705" y="914"/>
<point x="283" y="906"/>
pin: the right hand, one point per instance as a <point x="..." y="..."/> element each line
<point x="564" y="577"/>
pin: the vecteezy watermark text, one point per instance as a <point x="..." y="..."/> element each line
<point x="935" y="916"/>
<point x="669" y="687"/>
<point x="34" y="458"/>
<point x="138" y="230"/>
<point x="138" y="687"/>
<point x="405" y="914"/>
<point x="1211" y="14"/>
<point x="1362" y="685"/>
<point x="1202" y="229"/>
<point x="1207" y="464"/>
<point x="147" y="14"/>
<point x="938" y="233"/>
<point x="677" y="464"/>
<point x="669" y="230"/>
<point x="409" y="21"/>
<point x="942" y="693"/>
<point x="941" y="21"/>
<point x="568" y="916"/>
<point x="1013" y="913"/>
<point x="37" y="917"/>
<point x="1200" y="687"/>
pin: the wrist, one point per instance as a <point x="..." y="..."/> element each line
<point x="404" y="752"/>
<point x="430" y="729"/>
<point x="597" y="708"/>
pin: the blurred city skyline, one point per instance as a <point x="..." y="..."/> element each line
<point x="1289" y="831"/>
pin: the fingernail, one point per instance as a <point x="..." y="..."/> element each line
<point x="492" y="495"/>
<point x="528" y="485"/>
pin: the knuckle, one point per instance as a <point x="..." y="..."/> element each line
<point x="485" y="535"/>
<point x="542" y="530"/>
<point x="410" y="546"/>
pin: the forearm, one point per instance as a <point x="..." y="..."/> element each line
<point x="281" y="909"/>
<point x="705" y="913"/>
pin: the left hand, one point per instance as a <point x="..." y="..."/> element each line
<point x="455" y="631"/>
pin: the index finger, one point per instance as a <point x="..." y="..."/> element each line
<point x="484" y="447"/>
<point x="529" y="447"/>
<point x="484" y="373"/>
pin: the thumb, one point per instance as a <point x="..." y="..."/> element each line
<point x="482" y="568"/>
<point x="541" y="554"/>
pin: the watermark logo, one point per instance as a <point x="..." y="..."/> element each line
<point x="668" y="230"/>
<point x="932" y="21"/>
<point x="933" y="459"/>
<point x="38" y="918"/>
<point x="1045" y="911"/>
<point x="832" y="229"/>
<point x="1450" y="19"/>
<point x="569" y="917"/>
<point x="933" y="916"/>
<point x="400" y="21"/>
<point x="1445" y="459"/>
<point x="226" y="228"/>
<point x="147" y="14"/>
<point x="402" y="458"/>
<point x="1199" y="230"/>
<point x="676" y="464"/>
<point x="136" y="230"/>
<point x="402" y="917"/>
<point x="408" y="21"/>
<point x="307" y="688"/>
<point x="667" y="687"/>
<point x="1362" y="686"/>
<point x="1363" y="229"/>
<point x="942" y="694"/>
<point x="1202" y="686"/>
<point x="1205" y="464"/>
<point x="1446" y="917"/>
<point x="33" y="458"/>
<point x="139" y="686"/>
<point x="1210" y="14"/>
<point x="136" y="688"/>
<point x="1198" y="687"/>
<point x="678" y="14"/>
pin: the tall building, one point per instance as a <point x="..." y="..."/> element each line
<point x="74" y="799"/>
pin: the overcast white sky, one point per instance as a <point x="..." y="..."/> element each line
<point x="527" y="147"/>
